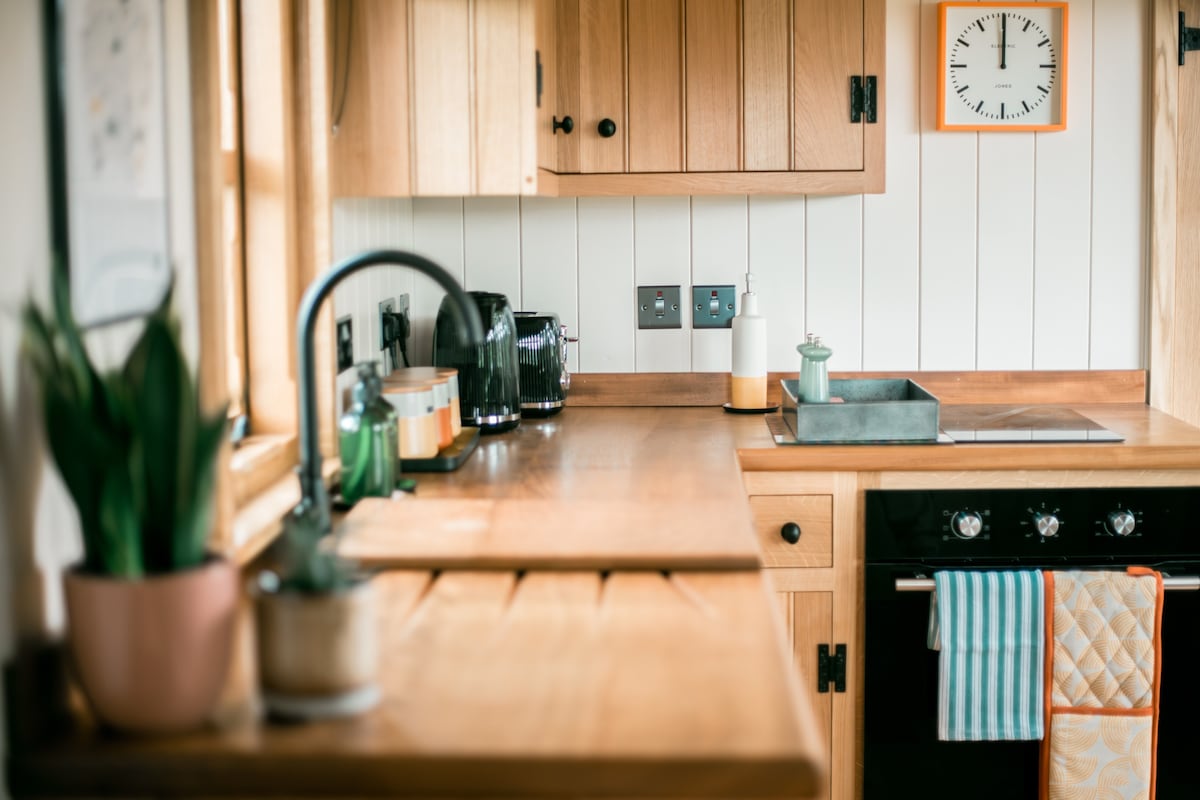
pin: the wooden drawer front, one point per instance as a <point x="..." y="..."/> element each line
<point x="814" y="515"/>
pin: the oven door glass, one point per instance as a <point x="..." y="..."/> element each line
<point x="902" y="756"/>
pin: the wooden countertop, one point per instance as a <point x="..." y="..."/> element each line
<point x="563" y="684"/>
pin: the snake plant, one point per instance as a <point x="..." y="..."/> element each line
<point x="132" y="445"/>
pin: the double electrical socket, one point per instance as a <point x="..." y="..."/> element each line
<point x="393" y="320"/>
<point x="659" y="306"/>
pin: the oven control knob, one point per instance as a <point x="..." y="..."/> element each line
<point x="1121" y="523"/>
<point x="966" y="524"/>
<point x="1046" y="524"/>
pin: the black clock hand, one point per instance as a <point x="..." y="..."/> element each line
<point x="1003" y="40"/>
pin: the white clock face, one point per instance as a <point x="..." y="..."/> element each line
<point x="1003" y="66"/>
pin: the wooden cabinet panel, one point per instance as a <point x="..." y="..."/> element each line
<point x="811" y="615"/>
<point x="441" y="87"/>
<point x="828" y="46"/>
<point x="766" y="84"/>
<point x="546" y="56"/>
<point x="504" y="85"/>
<point x="814" y="515"/>
<point x="655" y="86"/>
<point x="368" y="150"/>
<point x="601" y="85"/>
<point x="714" y="86"/>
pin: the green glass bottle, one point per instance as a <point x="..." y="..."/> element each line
<point x="368" y="440"/>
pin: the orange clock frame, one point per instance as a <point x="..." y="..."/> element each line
<point x="944" y="36"/>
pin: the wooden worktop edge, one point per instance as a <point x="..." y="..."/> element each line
<point x="1015" y="387"/>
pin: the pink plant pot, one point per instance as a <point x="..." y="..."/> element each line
<point x="152" y="655"/>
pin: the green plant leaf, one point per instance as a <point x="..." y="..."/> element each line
<point x="122" y="552"/>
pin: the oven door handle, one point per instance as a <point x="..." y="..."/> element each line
<point x="1189" y="583"/>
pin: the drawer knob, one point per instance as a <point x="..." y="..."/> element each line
<point x="607" y="127"/>
<point x="566" y="124"/>
<point x="790" y="532"/>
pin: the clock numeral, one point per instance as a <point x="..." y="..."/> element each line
<point x="1043" y="90"/>
<point x="978" y="106"/>
<point x="1043" y="43"/>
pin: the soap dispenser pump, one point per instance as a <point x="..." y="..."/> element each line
<point x="749" y="374"/>
<point x="368" y="440"/>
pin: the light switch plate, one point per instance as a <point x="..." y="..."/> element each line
<point x="345" y="343"/>
<point x="712" y="306"/>
<point x="658" y="307"/>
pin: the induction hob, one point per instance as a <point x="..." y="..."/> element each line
<point x="993" y="423"/>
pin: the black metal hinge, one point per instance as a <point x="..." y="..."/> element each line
<point x="831" y="669"/>
<point x="1189" y="38"/>
<point x="537" y="54"/>
<point x="862" y="98"/>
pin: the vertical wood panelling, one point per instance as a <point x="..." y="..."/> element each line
<point x="1062" y="244"/>
<point x="501" y="86"/>
<point x="1185" y="319"/>
<point x="776" y="244"/>
<point x="1004" y="326"/>
<point x="719" y="247"/>
<point x="492" y="246"/>
<point x="601" y="84"/>
<point x="437" y="235"/>
<point x="567" y="53"/>
<point x="1164" y="165"/>
<point x="441" y="92"/>
<point x="369" y="152"/>
<point x="713" y="81"/>
<point x="546" y="24"/>
<point x="655" y="91"/>
<point x="607" y="318"/>
<point x="766" y="85"/>
<point x="828" y="50"/>
<point x="949" y="198"/>
<point x="892" y="221"/>
<point x="549" y="268"/>
<point x="662" y="256"/>
<point x="1119" y="228"/>
<point x="833" y="276"/>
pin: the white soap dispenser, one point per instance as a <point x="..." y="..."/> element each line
<point x="749" y="378"/>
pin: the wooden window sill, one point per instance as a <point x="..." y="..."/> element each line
<point x="265" y="489"/>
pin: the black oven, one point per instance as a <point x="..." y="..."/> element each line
<point x="910" y="534"/>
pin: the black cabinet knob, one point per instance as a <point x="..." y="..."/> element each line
<point x="607" y="127"/>
<point x="790" y="532"/>
<point x="566" y="124"/>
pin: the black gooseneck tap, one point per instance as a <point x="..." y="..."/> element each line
<point x="314" y="499"/>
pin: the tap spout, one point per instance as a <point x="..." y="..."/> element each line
<point x="314" y="499"/>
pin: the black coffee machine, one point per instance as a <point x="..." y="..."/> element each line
<point x="489" y="382"/>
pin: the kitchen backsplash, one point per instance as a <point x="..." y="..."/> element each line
<point x="988" y="251"/>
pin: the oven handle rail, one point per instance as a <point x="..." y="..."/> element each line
<point x="1188" y="583"/>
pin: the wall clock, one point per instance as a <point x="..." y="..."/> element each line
<point x="1002" y="66"/>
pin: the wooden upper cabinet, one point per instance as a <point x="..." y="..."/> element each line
<point x="828" y="46"/>
<point x="655" y="55"/>
<point x="713" y="75"/>
<point x="436" y="97"/>
<point x="767" y="85"/>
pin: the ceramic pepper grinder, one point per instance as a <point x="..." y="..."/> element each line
<point x="814" y="381"/>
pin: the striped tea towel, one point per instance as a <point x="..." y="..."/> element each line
<point x="990" y="673"/>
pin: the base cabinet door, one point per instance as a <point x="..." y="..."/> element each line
<point x="809" y="620"/>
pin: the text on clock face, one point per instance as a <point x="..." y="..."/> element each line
<point x="1003" y="65"/>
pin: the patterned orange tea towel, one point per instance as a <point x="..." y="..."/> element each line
<point x="1103" y="663"/>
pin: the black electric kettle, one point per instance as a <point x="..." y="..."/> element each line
<point x="489" y="381"/>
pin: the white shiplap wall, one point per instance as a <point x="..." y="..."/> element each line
<point x="988" y="251"/>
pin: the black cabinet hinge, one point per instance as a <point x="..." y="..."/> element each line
<point x="862" y="98"/>
<point x="1189" y="38"/>
<point x="831" y="668"/>
<point x="537" y="54"/>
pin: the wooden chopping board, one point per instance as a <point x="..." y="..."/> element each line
<point x="527" y="533"/>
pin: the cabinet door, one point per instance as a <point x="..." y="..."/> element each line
<point x="809" y="620"/>
<point x="828" y="48"/>
<point x="767" y="85"/>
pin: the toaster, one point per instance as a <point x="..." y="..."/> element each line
<point x="542" y="358"/>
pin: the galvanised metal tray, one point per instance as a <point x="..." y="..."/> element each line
<point x="873" y="410"/>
